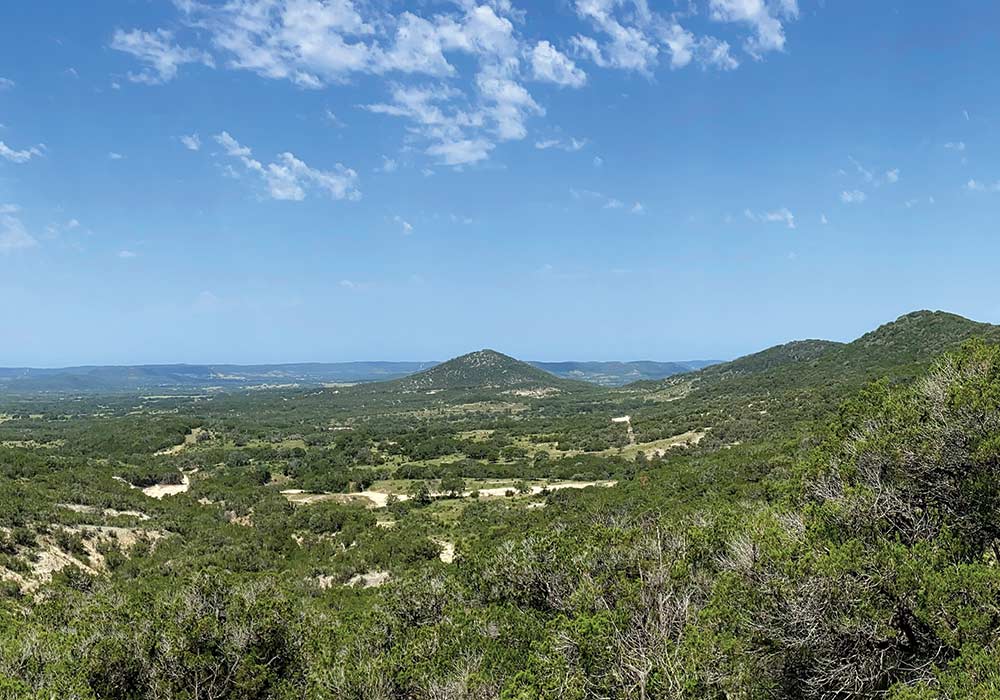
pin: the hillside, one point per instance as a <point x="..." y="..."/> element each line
<point x="804" y="351"/>
<point x="799" y="383"/>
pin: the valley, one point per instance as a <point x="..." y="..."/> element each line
<point x="481" y="509"/>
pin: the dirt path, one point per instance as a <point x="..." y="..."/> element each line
<point x="158" y="491"/>
<point x="380" y="499"/>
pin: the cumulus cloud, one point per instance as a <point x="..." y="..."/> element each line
<point x="22" y="156"/>
<point x="549" y="64"/>
<point x="158" y="50"/>
<point x="631" y="36"/>
<point x="6" y="83"/>
<point x="853" y="196"/>
<point x="467" y="62"/>
<point x="127" y="254"/>
<point x="192" y="142"/>
<point x="764" y="18"/>
<point x="288" y="178"/>
<point x="454" y="131"/>
<point x="955" y="146"/>
<point x="115" y="156"/>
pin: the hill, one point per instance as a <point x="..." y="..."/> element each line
<point x="799" y="383"/>
<point x="483" y="369"/>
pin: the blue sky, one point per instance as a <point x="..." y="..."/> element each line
<point x="297" y="180"/>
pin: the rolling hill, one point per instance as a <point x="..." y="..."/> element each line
<point x="802" y="382"/>
<point x="483" y="369"/>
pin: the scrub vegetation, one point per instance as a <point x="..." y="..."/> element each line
<point x="818" y="520"/>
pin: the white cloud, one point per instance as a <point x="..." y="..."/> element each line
<point x="783" y="216"/>
<point x="22" y="156"/>
<point x="334" y="119"/>
<point x="853" y="196"/>
<point x="892" y="176"/>
<point x="598" y="162"/>
<point x="403" y="224"/>
<point x="127" y="254"/>
<point x="6" y="83"/>
<point x="977" y="186"/>
<point x="867" y="174"/>
<point x="192" y="142"/>
<point x="823" y="220"/>
<point x="115" y="156"/>
<point x="13" y="235"/>
<point x="388" y="165"/>
<point x="605" y="201"/>
<point x="765" y="18"/>
<point x="955" y="146"/>
<point x="288" y="178"/>
<point x="572" y="145"/>
<point x="549" y="64"/>
<point x="478" y="49"/>
<point x="453" y="132"/>
<point x="157" y="49"/>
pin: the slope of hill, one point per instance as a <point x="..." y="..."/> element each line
<point x="801" y="382"/>
<point x="483" y="369"/>
<point x="620" y="373"/>
<point x="804" y="351"/>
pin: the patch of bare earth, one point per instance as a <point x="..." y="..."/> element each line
<point x="190" y="439"/>
<point x="369" y="579"/>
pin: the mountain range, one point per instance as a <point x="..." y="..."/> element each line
<point x="180" y="377"/>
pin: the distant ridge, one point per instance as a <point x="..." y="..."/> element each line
<point x="620" y="373"/>
<point x="180" y="377"/>
<point x="113" y="379"/>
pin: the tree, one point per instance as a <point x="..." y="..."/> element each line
<point x="420" y="492"/>
<point x="454" y="486"/>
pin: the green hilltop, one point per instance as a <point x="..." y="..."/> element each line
<point x="483" y="369"/>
